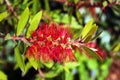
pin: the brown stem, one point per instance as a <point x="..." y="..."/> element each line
<point x="87" y="3"/>
<point x="11" y="8"/>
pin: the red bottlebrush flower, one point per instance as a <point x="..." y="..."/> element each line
<point x="51" y="43"/>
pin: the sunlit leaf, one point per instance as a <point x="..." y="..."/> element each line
<point x="34" y="23"/>
<point x="23" y="21"/>
<point x="50" y="74"/>
<point x="91" y="33"/>
<point x="27" y="67"/>
<point x="71" y="65"/>
<point x="105" y="3"/>
<point x="93" y="30"/>
<point x="87" y="28"/>
<point x="75" y="1"/>
<point x="48" y="64"/>
<point x="19" y="58"/>
<point x="88" y="38"/>
<point x="3" y="15"/>
<point x="34" y="63"/>
<point x="69" y="76"/>
<point x="94" y="64"/>
<point x="91" y="52"/>
<point x="3" y="76"/>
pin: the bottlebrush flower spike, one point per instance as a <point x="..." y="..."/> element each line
<point x="51" y="43"/>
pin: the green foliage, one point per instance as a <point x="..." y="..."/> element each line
<point x="55" y="71"/>
<point x="34" y="63"/>
<point x="19" y="58"/>
<point x="116" y="48"/>
<point x="34" y="23"/>
<point x="86" y="29"/>
<point x="95" y="37"/>
<point x="48" y="64"/>
<point x="64" y="18"/>
<point x="27" y="67"/>
<point x="23" y="21"/>
<point x="105" y="3"/>
<point x="86" y="68"/>
<point x="91" y="52"/>
<point x="3" y="76"/>
<point x="3" y="15"/>
<point x="71" y="65"/>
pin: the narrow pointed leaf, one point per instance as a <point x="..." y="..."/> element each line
<point x="91" y="52"/>
<point x="34" y="23"/>
<point x="88" y="38"/>
<point x="96" y="36"/>
<point x="93" y="30"/>
<point x="48" y="64"/>
<point x="27" y="67"/>
<point x="19" y="59"/>
<point x="87" y="28"/>
<point x="23" y="21"/>
<point x="91" y="33"/>
<point x="34" y="63"/>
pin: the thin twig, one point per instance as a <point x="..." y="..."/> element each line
<point x="14" y="38"/>
<point x="81" y="3"/>
<point x="41" y="73"/>
<point x="11" y="8"/>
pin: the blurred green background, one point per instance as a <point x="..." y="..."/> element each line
<point x="76" y="13"/>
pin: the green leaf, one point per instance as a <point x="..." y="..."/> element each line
<point x="96" y="36"/>
<point x="50" y="74"/>
<point x="3" y="15"/>
<point x="71" y="65"/>
<point x="34" y="63"/>
<point x="54" y="71"/>
<point x="116" y="48"/>
<point x="93" y="30"/>
<point x="105" y="3"/>
<point x="94" y="64"/>
<point x="3" y="76"/>
<point x="19" y="59"/>
<point x="23" y="21"/>
<point x="27" y="67"/>
<point x="91" y="33"/>
<point x="91" y="52"/>
<point x="88" y="38"/>
<point x="69" y="76"/>
<point x="34" y="23"/>
<point x="76" y="1"/>
<point x="48" y="64"/>
<point x="87" y="28"/>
